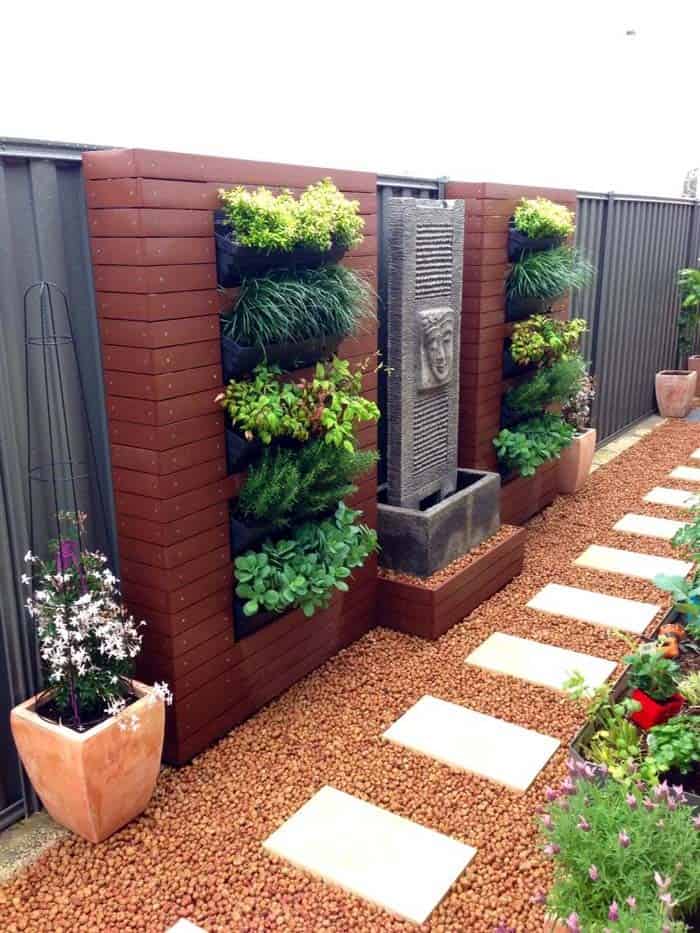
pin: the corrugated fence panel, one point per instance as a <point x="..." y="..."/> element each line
<point x="43" y="235"/>
<point x="637" y="245"/>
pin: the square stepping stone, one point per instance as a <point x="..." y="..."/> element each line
<point x="465" y="739"/>
<point x="695" y="454"/>
<point x="631" y="563"/>
<point x="647" y="526"/>
<point x="393" y="862"/>
<point x="597" y="608"/>
<point x="677" y="498"/>
<point x="185" y="926"/>
<point x="686" y="473"/>
<point x="538" y="663"/>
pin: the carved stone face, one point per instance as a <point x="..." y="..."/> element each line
<point x="437" y="346"/>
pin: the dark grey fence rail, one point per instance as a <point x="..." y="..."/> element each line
<point x="637" y="244"/>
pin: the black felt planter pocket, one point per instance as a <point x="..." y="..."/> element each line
<point x="239" y="361"/>
<point x="518" y="243"/>
<point x="245" y="625"/>
<point x="517" y="309"/>
<point x="235" y="262"/>
<point x="239" y="451"/>
<point x="245" y="537"/>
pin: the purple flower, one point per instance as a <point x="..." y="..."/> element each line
<point x="631" y="903"/>
<point x="583" y="824"/>
<point x="623" y="839"/>
<point x="614" y="912"/>
<point x="503" y="928"/>
<point x="551" y="849"/>
<point x="550" y="794"/>
<point x="68" y="555"/>
<point x="667" y="900"/>
<point x="661" y="790"/>
<point x="631" y="801"/>
<point x="568" y="787"/>
<point x="539" y="897"/>
<point x="547" y="821"/>
<point x="662" y="883"/>
<point x="696" y="822"/>
<point x="672" y="804"/>
<point x="603" y="770"/>
<point x="593" y="873"/>
<point x="572" y="924"/>
<point x="678" y="791"/>
<point x="564" y="805"/>
<point x="648" y="804"/>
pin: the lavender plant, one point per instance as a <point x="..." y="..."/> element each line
<point x="87" y="640"/>
<point x="624" y="858"/>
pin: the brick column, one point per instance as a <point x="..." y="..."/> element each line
<point x="489" y="208"/>
<point x="151" y="234"/>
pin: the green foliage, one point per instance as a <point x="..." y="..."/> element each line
<point x="288" y="486"/>
<point x="531" y="443"/>
<point x="622" y="861"/>
<point x="686" y="597"/>
<point x="320" y="218"/>
<point x="687" y="538"/>
<point x="303" y="571"/>
<point x="675" y="744"/>
<point x="549" y="274"/>
<point x="689" y="687"/>
<point x="540" y="217"/>
<point x="288" y="307"/>
<point x="555" y="383"/>
<point x="577" y="410"/>
<point x="689" y="317"/>
<point x="542" y="339"/>
<point x="652" y="673"/>
<point x="329" y="405"/>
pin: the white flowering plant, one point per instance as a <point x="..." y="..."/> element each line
<point x="86" y="638"/>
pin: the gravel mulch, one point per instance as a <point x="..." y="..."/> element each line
<point x="197" y="851"/>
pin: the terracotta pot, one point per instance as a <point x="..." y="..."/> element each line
<point x="92" y="782"/>
<point x="694" y="367"/>
<point x="652" y="712"/>
<point x="675" y="391"/>
<point x="575" y="462"/>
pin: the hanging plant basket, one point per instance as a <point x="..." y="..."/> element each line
<point x="235" y="262"/>
<point x="239" y="451"/>
<point x="238" y="360"/>
<point x="245" y="625"/>
<point x="519" y="243"/>
<point x="517" y="309"/>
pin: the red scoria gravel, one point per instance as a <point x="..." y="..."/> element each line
<point x="197" y="850"/>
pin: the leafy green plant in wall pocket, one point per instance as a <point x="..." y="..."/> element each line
<point x="555" y="383"/>
<point x="531" y="443"/>
<point x="257" y="231"/>
<point x="538" y="279"/>
<point x="539" y="224"/>
<point x="542" y="340"/>
<point x="293" y="318"/>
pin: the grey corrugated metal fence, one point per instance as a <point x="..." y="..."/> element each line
<point x="637" y="244"/>
<point x="43" y="235"/>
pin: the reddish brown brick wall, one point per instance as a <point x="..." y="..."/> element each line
<point x="150" y="217"/>
<point x="489" y="208"/>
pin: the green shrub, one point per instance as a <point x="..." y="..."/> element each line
<point x="689" y="317"/>
<point x="652" y="673"/>
<point x="555" y="383"/>
<point x="689" y="687"/>
<point x="531" y="443"/>
<point x="288" y="486"/>
<point x="321" y="217"/>
<point x="675" y="744"/>
<point x="624" y="858"/>
<point x="288" y="307"/>
<point x="303" y="571"/>
<point x="329" y="405"/>
<point x="548" y="274"/>
<point x="543" y="339"/>
<point x="540" y="217"/>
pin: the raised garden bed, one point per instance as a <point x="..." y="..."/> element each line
<point x="430" y="607"/>
<point x="525" y="496"/>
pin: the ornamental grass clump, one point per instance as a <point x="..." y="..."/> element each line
<point x="624" y="858"/>
<point x="540" y="217"/>
<point x="328" y="406"/>
<point x="87" y="640"/>
<point x="320" y="219"/>
<point x="289" y="307"/>
<point x="548" y="274"/>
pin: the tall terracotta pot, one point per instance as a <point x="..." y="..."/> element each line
<point x="694" y="366"/>
<point x="93" y="782"/>
<point x="675" y="391"/>
<point x="575" y="462"/>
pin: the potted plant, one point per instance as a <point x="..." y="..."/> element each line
<point x="91" y="741"/>
<point x="266" y="408"/>
<point x="538" y="224"/>
<point x="675" y="391"/>
<point x="624" y="857"/>
<point x="292" y="318"/>
<point x="689" y="316"/>
<point x="576" y="459"/>
<point x="301" y="571"/>
<point x="654" y="680"/>
<point x="256" y="231"/>
<point x="537" y="279"/>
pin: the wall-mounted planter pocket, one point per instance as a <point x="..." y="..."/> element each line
<point x="518" y="243"/>
<point x="239" y="451"/>
<point x="245" y="537"/>
<point x="238" y="361"/>
<point x="245" y="625"/>
<point x="510" y="367"/>
<point x="517" y="309"/>
<point x="235" y="262"/>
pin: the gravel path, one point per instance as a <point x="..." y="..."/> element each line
<point x="197" y="851"/>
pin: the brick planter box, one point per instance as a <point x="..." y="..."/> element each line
<point x="429" y="613"/>
<point x="525" y="496"/>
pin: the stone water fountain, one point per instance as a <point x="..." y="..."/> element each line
<point x="431" y="512"/>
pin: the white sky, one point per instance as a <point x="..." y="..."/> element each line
<point x="527" y="91"/>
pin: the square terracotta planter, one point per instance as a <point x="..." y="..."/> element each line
<point x="575" y="462"/>
<point x="96" y="781"/>
<point x="675" y="391"/>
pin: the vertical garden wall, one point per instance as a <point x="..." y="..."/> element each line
<point x="151" y="222"/>
<point x="485" y="334"/>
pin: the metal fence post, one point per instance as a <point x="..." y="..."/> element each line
<point x="600" y="277"/>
